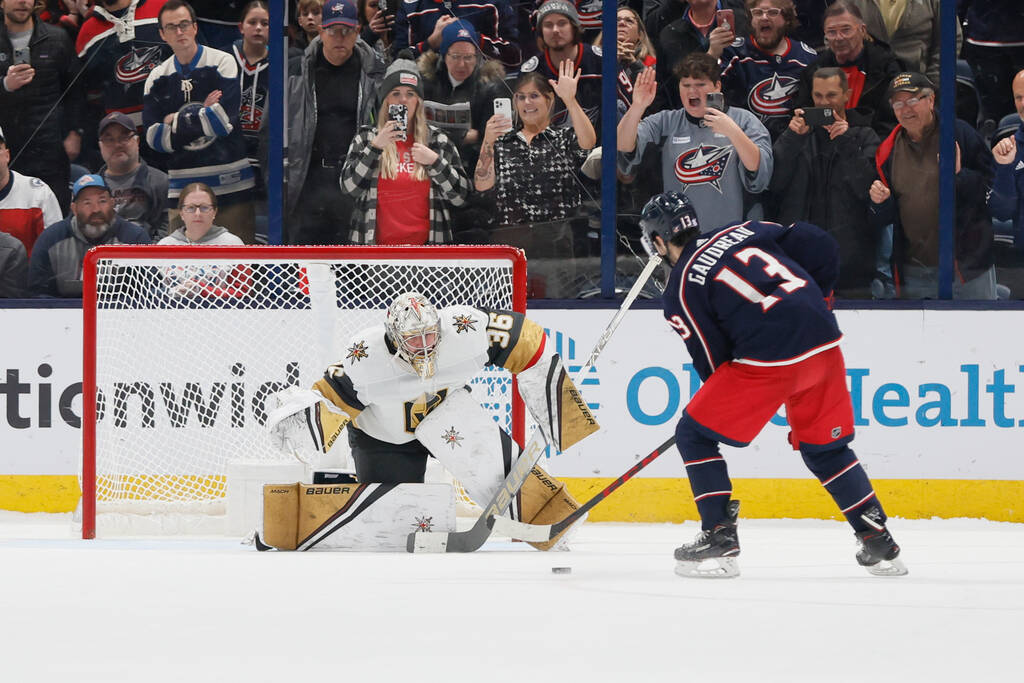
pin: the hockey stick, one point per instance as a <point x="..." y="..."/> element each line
<point x="474" y="537"/>
<point x="538" y="533"/>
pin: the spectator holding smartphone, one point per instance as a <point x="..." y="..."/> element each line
<point x="634" y="50"/>
<point x="700" y="28"/>
<point x="404" y="182"/>
<point x="721" y="160"/>
<point x="822" y="176"/>
<point x="42" y="123"/>
<point x="378" y="18"/>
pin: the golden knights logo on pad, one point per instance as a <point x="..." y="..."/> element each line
<point x="452" y="437"/>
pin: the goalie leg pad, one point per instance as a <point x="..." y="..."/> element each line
<point x="366" y="517"/>
<point x="464" y="438"/>
<point x="555" y="403"/>
<point x="545" y="500"/>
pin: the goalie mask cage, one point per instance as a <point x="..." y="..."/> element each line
<point x="182" y="346"/>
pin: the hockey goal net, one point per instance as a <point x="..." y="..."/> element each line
<point x="184" y="344"/>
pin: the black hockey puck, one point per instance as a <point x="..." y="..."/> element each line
<point x="561" y="570"/>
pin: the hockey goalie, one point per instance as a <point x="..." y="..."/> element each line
<point x="402" y="392"/>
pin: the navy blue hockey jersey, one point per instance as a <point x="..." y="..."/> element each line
<point x="762" y="83"/>
<point x="753" y="293"/>
<point x="205" y="143"/>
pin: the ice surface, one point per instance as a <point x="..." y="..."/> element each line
<point x="214" y="610"/>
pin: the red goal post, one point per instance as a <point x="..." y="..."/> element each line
<point x="183" y="344"/>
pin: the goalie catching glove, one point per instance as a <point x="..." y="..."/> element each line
<point x="302" y="423"/>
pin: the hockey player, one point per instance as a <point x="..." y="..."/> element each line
<point x="401" y="389"/>
<point x="749" y="301"/>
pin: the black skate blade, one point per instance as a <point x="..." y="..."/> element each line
<point x="893" y="567"/>
<point x="711" y="568"/>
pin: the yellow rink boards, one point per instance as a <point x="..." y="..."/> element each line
<point x="670" y="500"/>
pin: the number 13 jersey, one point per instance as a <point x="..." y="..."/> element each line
<point x="754" y="293"/>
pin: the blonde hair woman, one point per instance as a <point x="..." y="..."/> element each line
<point x="404" y="181"/>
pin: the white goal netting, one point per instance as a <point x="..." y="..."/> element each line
<point x="188" y="342"/>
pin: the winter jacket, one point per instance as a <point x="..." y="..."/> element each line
<point x="972" y="229"/>
<point x="29" y="107"/>
<point x="1007" y="199"/>
<point x="302" y="108"/>
<point x="56" y="265"/>
<point x="879" y="65"/>
<point x="479" y="90"/>
<point x="917" y="37"/>
<point x="449" y="185"/>
<point x="826" y="182"/>
<point x="13" y="267"/>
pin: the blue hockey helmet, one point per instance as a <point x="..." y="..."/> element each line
<point x="667" y="215"/>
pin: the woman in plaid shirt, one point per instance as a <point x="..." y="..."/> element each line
<point x="403" y="182"/>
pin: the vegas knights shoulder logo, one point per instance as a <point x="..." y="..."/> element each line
<point x="463" y="323"/>
<point x="772" y="96"/>
<point x="703" y="164"/>
<point x="358" y="351"/>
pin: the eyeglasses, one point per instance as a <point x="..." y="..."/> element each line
<point x="112" y="140"/>
<point x="180" y="27"/>
<point x="339" y="31"/>
<point x="465" y="59"/>
<point x="522" y="97"/>
<point x="767" y="12"/>
<point x="841" y="32"/>
<point x="197" y="208"/>
<point x="896" y="106"/>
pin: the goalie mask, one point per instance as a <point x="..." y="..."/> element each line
<point x="667" y="215"/>
<point x="413" y="327"/>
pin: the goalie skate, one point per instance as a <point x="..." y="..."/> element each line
<point x="879" y="553"/>
<point x="713" y="553"/>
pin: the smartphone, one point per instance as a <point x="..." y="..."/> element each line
<point x="819" y="116"/>
<point x="726" y="18"/>
<point x="22" y="55"/>
<point x="399" y="113"/>
<point x="503" y="105"/>
<point x="715" y="100"/>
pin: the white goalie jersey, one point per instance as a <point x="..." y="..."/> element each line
<point x="376" y="389"/>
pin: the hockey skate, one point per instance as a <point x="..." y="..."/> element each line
<point x="713" y="553"/>
<point x="878" y="553"/>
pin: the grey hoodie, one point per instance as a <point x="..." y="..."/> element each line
<point x="217" y="235"/>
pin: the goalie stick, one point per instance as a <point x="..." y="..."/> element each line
<point x="538" y="533"/>
<point x="474" y="537"/>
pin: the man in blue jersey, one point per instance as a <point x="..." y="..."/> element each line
<point x="750" y="302"/>
<point x="190" y="110"/>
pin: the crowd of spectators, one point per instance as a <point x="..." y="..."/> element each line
<point x="419" y="121"/>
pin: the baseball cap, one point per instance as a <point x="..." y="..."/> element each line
<point x="908" y="81"/>
<point x="342" y="12"/>
<point x="119" y="118"/>
<point x="558" y="7"/>
<point x="88" y="180"/>
<point x="455" y="32"/>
